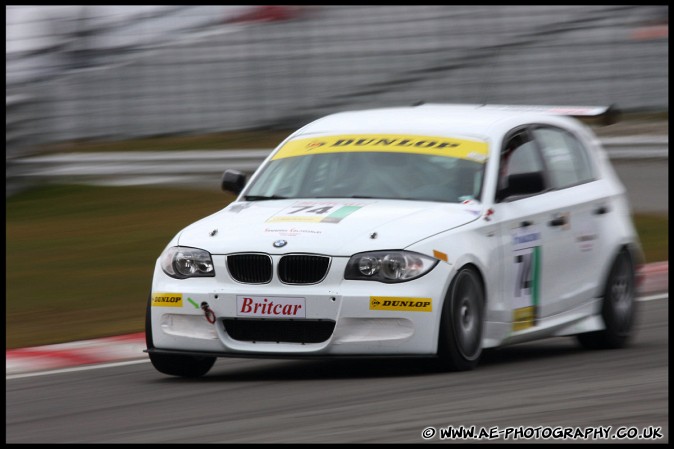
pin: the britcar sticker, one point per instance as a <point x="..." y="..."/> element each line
<point x="167" y="299"/>
<point x="474" y="150"/>
<point x="315" y="212"/>
<point x="527" y="257"/>
<point x="401" y="304"/>
<point x="262" y="306"/>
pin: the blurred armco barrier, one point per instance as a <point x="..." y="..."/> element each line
<point x="204" y="167"/>
<point x="111" y="72"/>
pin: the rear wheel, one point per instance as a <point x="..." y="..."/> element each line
<point x="460" y="342"/>
<point x="174" y="365"/>
<point x="618" y="307"/>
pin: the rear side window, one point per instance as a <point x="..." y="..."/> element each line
<point x="566" y="158"/>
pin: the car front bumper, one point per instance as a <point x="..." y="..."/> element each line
<point x="369" y="318"/>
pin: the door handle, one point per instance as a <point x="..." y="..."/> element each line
<point x="525" y="223"/>
<point x="601" y="210"/>
<point x="558" y="221"/>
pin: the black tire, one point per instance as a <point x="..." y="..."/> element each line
<point x="148" y="323"/>
<point x="182" y="365"/>
<point x="618" y="309"/>
<point x="461" y="323"/>
<point x="174" y="365"/>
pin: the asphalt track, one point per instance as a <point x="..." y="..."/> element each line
<point x="547" y="385"/>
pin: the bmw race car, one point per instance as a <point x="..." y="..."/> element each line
<point x="434" y="231"/>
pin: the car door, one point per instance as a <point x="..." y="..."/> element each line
<point x="542" y="270"/>
<point x="578" y="206"/>
<point x="522" y="211"/>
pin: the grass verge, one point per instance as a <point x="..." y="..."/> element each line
<point x="80" y="258"/>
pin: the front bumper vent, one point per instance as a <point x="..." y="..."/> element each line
<point x="279" y="331"/>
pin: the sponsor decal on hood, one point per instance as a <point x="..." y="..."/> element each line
<point x="324" y="227"/>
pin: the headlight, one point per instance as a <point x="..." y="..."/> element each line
<point x="181" y="262"/>
<point x="388" y="266"/>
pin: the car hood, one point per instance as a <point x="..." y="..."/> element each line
<point x="331" y="227"/>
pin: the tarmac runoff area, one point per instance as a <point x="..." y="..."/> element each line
<point x="129" y="348"/>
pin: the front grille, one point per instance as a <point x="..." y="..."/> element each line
<point x="302" y="269"/>
<point x="250" y="268"/>
<point x="279" y="331"/>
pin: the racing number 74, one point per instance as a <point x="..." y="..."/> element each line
<point x="524" y="274"/>
<point x="317" y="210"/>
<point x="525" y="303"/>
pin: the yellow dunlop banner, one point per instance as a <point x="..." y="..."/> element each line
<point x="401" y="304"/>
<point x="473" y="150"/>
<point x="167" y="299"/>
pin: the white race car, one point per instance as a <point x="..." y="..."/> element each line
<point x="433" y="231"/>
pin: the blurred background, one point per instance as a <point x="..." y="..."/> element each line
<point x="97" y="80"/>
<point x="119" y="72"/>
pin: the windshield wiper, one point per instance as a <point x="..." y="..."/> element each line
<point x="263" y="197"/>
<point x="343" y="196"/>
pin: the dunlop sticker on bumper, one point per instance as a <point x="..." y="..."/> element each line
<point x="401" y="304"/>
<point x="167" y="299"/>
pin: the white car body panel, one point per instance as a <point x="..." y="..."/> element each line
<point x="254" y="226"/>
<point x="573" y="258"/>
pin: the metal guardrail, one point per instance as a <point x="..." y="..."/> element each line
<point x="204" y="167"/>
<point x="18" y="118"/>
<point x="636" y="147"/>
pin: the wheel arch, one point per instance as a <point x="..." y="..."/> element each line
<point x="468" y="263"/>
<point x="635" y="254"/>
<point x="480" y="275"/>
<point x="148" y="323"/>
<point x="450" y="345"/>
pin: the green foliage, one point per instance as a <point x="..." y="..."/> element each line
<point x="653" y="230"/>
<point x="80" y="258"/>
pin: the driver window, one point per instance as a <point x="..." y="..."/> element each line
<point x="519" y="157"/>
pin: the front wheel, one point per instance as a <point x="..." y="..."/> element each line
<point x="461" y="323"/>
<point x="618" y="309"/>
<point x="182" y="365"/>
<point x="174" y="365"/>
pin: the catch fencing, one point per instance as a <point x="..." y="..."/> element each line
<point x="224" y="68"/>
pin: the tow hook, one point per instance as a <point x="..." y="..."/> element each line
<point x="210" y="315"/>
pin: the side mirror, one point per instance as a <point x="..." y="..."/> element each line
<point x="233" y="181"/>
<point x="522" y="184"/>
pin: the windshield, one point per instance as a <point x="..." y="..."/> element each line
<point x="400" y="173"/>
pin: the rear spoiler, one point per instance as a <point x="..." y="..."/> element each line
<point x="605" y="115"/>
